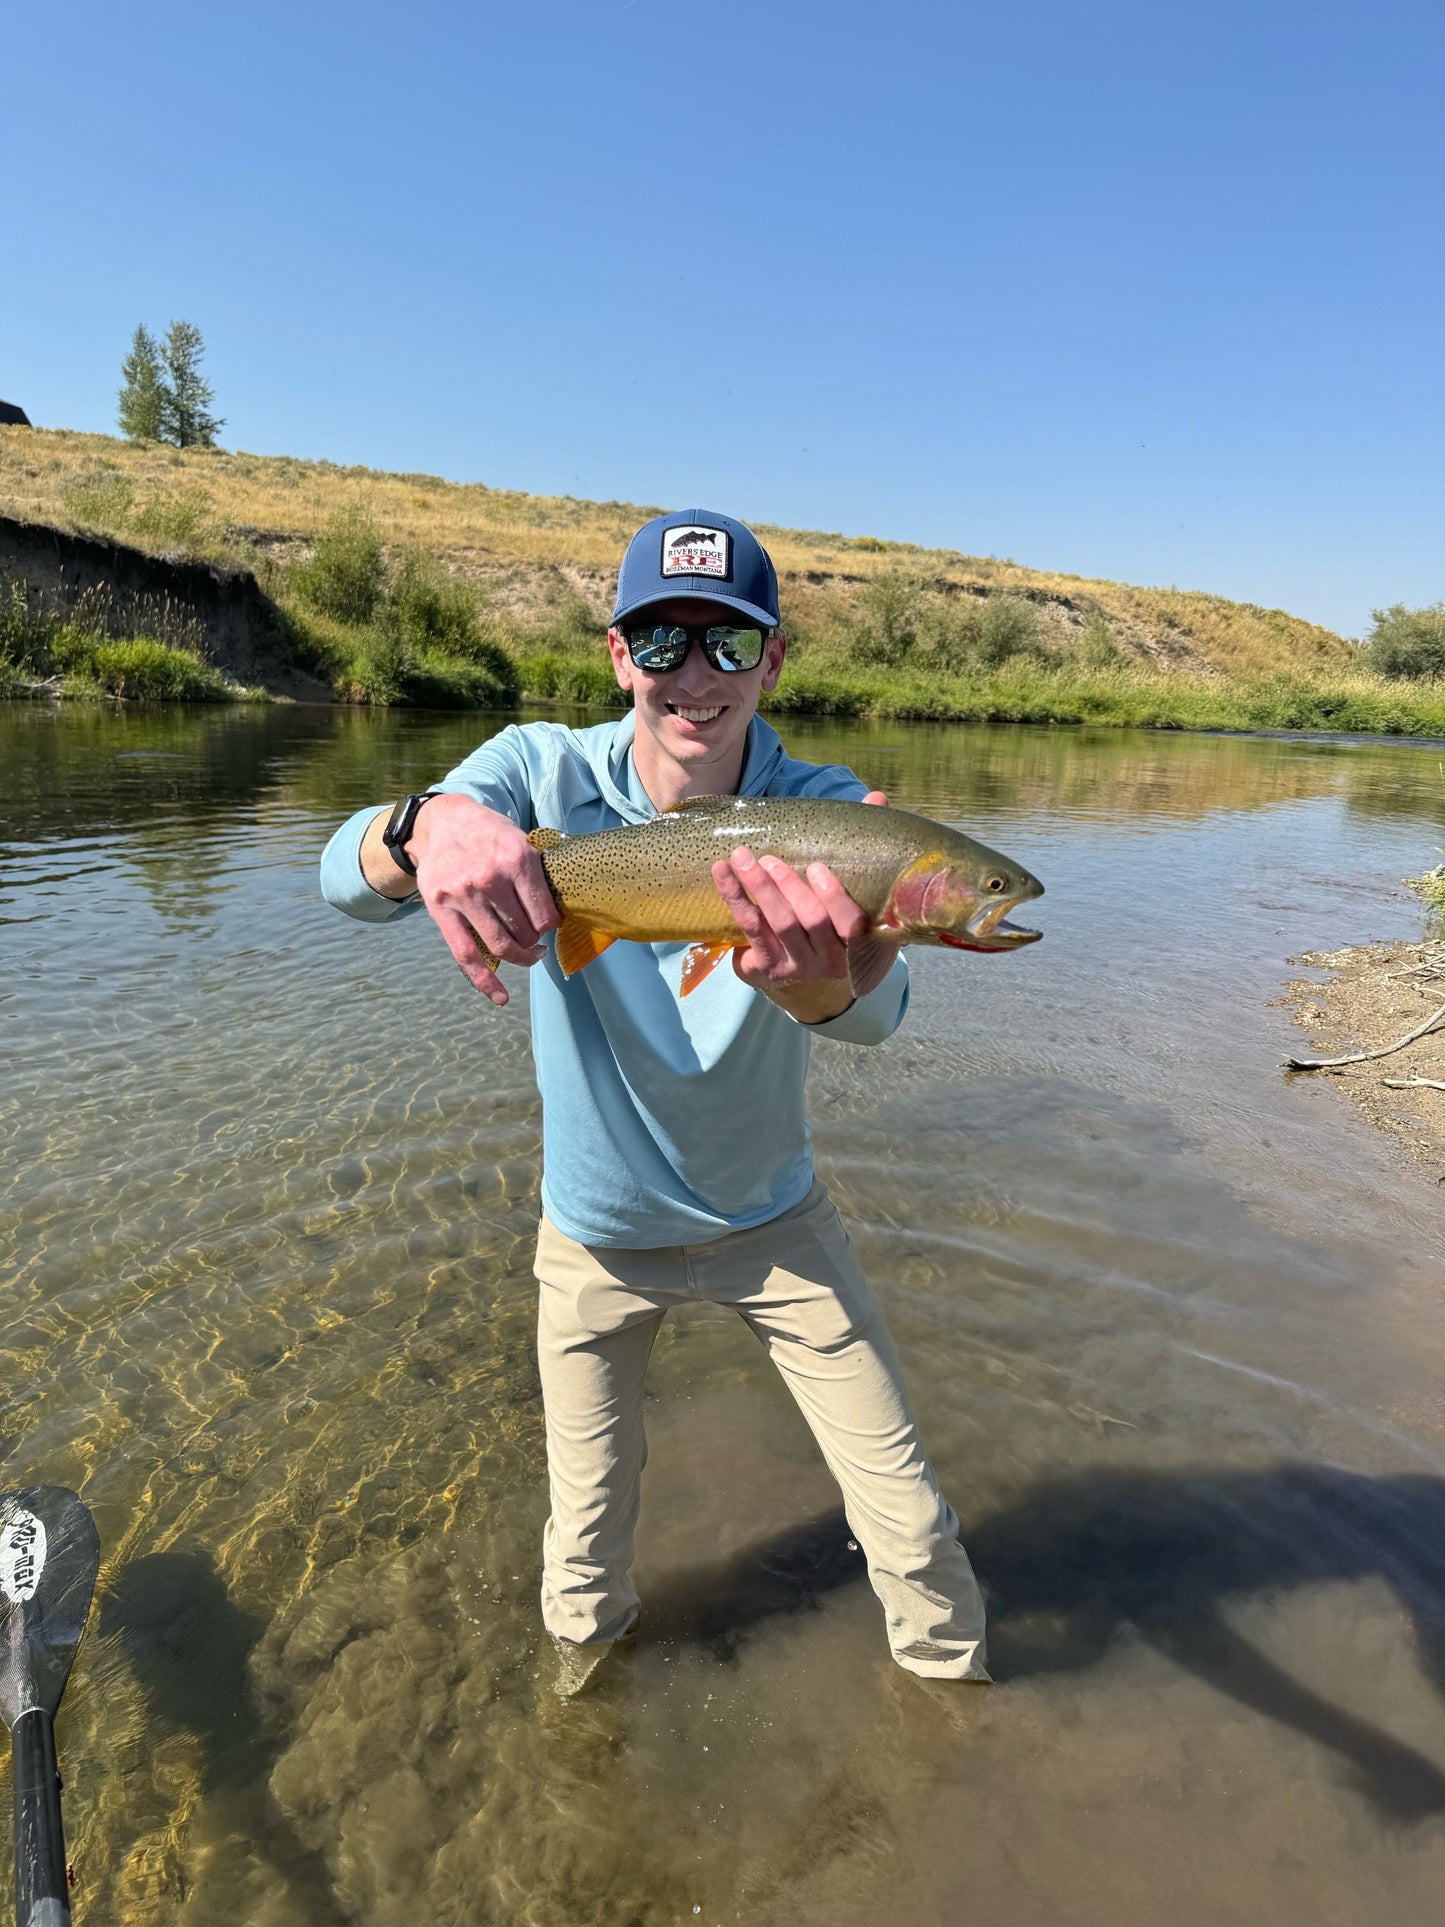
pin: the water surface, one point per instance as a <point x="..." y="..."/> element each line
<point x="1173" y="1326"/>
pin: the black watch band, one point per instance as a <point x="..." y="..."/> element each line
<point x="400" y="827"/>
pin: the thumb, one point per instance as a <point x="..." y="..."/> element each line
<point x="876" y="796"/>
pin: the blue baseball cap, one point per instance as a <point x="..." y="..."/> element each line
<point x="702" y="556"/>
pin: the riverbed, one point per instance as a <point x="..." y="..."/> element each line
<point x="1173" y="1324"/>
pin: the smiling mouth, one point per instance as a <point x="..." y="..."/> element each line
<point x="697" y="715"/>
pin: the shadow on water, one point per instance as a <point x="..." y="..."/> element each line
<point x="188" y="1644"/>
<point x="1080" y="1561"/>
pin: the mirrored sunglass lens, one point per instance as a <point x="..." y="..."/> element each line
<point x="658" y="648"/>
<point x="736" y="648"/>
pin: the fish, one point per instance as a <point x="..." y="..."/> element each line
<point x="918" y="881"/>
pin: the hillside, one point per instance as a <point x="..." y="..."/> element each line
<point x="472" y="596"/>
<point x="530" y="554"/>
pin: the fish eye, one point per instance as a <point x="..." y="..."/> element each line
<point x="995" y="883"/>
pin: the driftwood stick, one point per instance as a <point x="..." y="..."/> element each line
<point x="1412" y="1084"/>
<point x="1364" y="1056"/>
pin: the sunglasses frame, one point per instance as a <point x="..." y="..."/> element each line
<point x="702" y="635"/>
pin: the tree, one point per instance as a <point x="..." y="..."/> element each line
<point x="186" y="398"/>
<point x="1408" y="642"/>
<point x="142" y="397"/>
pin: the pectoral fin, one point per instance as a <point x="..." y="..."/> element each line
<point x="701" y="961"/>
<point x="578" y="943"/>
<point x="870" y="958"/>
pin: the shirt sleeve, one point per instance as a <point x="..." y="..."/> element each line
<point x="496" y="774"/>
<point x="870" y="1019"/>
<point x="499" y="775"/>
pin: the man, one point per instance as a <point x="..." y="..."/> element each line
<point x="676" y="1160"/>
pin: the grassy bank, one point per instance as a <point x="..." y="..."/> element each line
<point x="77" y="656"/>
<point x="408" y="589"/>
<point x="1125" y="697"/>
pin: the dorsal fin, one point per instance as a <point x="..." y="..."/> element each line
<point x="544" y="839"/>
<point x="699" y="803"/>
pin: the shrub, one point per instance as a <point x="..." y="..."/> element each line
<point x="566" y="679"/>
<point x="451" y="682"/>
<point x="892" y="613"/>
<point x="99" y="499"/>
<point x="376" y="669"/>
<point x="433" y="617"/>
<point x="346" y="573"/>
<point x="1408" y="643"/>
<point x="1097" y="648"/>
<point x="176" y="520"/>
<point x="141" y="667"/>
<point x="1007" y="627"/>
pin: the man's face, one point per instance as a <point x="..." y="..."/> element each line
<point x="696" y="714"/>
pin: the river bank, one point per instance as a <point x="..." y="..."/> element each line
<point x="411" y="592"/>
<point x="1375" y="996"/>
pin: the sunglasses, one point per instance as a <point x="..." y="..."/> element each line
<point x="665" y="647"/>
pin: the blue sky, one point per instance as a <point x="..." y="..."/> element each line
<point x="1137" y="291"/>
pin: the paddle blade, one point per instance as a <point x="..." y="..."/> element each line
<point x="49" y="1557"/>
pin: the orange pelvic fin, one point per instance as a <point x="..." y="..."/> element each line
<point x="578" y="943"/>
<point x="701" y="961"/>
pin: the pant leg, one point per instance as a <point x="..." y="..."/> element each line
<point x="800" y="1287"/>
<point x="596" y="1326"/>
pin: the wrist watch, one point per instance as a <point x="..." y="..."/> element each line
<point x="400" y="827"/>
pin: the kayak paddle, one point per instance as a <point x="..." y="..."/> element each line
<point x="49" y="1557"/>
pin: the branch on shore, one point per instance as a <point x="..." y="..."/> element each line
<point x="1412" y="1084"/>
<point x="1364" y="1056"/>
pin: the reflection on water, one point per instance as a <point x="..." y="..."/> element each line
<point x="1172" y="1325"/>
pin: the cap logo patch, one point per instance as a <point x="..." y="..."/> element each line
<point x="691" y="550"/>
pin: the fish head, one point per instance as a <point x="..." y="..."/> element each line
<point x="963" y="899"/>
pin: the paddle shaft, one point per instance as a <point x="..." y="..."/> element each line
<point x="42" y="1896"/>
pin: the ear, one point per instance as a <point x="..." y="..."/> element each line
<point x="621" y="662"/>
<point x="773" y="660"/>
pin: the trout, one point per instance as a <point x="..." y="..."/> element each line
<point x="918" y="881"/>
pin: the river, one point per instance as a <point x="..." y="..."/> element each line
<point x="1173" y="1323"/>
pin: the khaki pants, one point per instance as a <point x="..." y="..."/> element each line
<point x="797" y="1283"/>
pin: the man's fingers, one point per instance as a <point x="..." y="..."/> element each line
<point x="848" y="919"/>
<point x="876" y="796"/>
<point x="746" y="914"/>
<point x="534" y="894"/>
<point x="498" y="920"/>
<point x="816" y="917"/>
<point x="462" y="940"/>
<point x="799" y="925"/>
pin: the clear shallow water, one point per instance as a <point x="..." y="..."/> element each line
<point x="1174" y="1327"/>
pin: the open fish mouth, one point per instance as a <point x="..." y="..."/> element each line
<point x="991" y="930"/>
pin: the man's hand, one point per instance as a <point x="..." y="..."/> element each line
<point x="476" y="871"/>
<point x="798" y="930"/>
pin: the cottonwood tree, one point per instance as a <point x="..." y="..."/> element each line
<point x="142" y="397"/>
<point x="186" y="417"/>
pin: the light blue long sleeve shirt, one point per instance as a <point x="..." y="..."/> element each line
<point x="664" y="1121"/>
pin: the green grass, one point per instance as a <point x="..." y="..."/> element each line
<point x="47" y="654"/>
<point x="1028" y="691"/>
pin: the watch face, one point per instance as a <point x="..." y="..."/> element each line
<point x="394" y="836"/>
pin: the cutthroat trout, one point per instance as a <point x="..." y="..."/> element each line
<point x="919" y="881"/>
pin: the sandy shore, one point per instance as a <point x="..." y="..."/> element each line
<point x="1375" y="995"/>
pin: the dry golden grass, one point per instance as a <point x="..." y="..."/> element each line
<point x="528" y="549"/>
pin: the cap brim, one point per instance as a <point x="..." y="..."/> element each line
<point x="681" y="592"/>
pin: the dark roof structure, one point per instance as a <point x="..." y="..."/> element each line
<point x="13" y="417"/>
